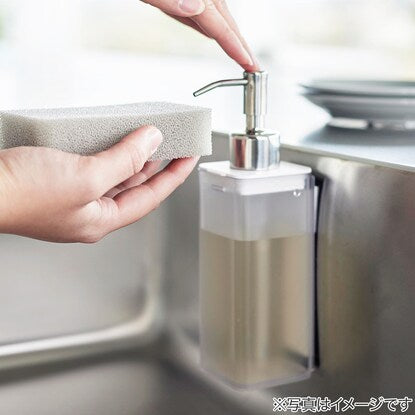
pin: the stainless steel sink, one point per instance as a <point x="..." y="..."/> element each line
<point x="113" y="328"/>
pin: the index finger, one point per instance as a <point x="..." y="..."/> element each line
<point x="227" y="15"/>
<point x="217" y="27"/>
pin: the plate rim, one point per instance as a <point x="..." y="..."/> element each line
<point x="370" y="89"/>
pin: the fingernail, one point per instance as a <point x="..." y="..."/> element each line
<point x="241" y="55"/>
<point x="155" y="137"/>
<point x="254" y="59"/>
<point x="248" y="58"/>
<point x="192" y="6"/>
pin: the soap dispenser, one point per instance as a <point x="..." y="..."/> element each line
<point x="256" y="255"/>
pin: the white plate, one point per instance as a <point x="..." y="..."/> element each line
<point x="377" y="112"/>
<point x="403" y="89"/>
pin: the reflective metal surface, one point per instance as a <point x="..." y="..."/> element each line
<point x="255" y="97"/>
<point x="366" y="278"/>
<point x="256" y="149"/>
<point x="254" y="152"/>
<point x="366" y="281"/>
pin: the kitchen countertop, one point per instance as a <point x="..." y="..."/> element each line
<point x="395" y="149"/>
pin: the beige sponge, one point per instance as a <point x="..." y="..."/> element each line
<point x="186" y="129"/>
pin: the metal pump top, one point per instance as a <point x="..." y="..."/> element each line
<point x="256" y="149"/>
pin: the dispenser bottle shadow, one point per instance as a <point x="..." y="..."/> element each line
<point x="256" y="255"/>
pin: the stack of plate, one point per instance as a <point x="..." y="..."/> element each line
<point x="376" y="104"/>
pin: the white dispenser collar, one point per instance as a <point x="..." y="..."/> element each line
<point x="284" y="178"/>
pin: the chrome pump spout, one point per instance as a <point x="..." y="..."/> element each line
<point x="256" y="149"/>
<point x="255" y="97"/>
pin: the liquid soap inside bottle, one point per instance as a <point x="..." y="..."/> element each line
<point x="256" y="280"/>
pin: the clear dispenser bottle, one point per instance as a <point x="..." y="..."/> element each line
<point x="256" y="256"/>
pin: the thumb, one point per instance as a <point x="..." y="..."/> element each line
<point x="126" y="158"/>
<point x="182" y="8"/>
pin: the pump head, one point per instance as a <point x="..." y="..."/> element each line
<point x="256" y="149"/>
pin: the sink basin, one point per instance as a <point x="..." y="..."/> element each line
<point x="113" y="328"/>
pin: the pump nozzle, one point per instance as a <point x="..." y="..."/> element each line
<point x="255" y="97"/>
<point x="256" y="149"/>
<point x="218" y="84"/>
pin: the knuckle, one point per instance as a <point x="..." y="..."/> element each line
<point x="215" y="5"/>
<point x="210" y="5"/>
<point x="228" y="32"/>
<point x="220" y="3"/>
<point x="155" y="200"/>
<point x="90" y="235"/>
<point x="138" y="156"/>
